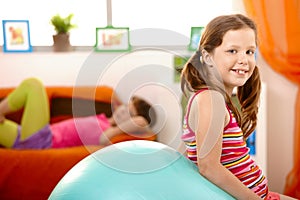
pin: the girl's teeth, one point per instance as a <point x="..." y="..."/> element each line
<point x="240" y="71"/>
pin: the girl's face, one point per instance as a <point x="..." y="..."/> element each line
<point x="124" y="113"/>
<point x="234" y="58"/>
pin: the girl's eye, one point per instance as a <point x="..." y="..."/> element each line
<point x="232" y="51"/>
<point x="250" y="52"/>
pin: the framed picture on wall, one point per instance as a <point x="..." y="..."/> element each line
<point x="16" y="36"/>
<point x="112" y="39"/>
<point x="178" y="64"/>
<point x="196" y="33"/>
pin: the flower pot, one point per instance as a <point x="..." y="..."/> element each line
<point x="61" y="42"/>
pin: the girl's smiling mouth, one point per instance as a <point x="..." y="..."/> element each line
<point x="239" y="71"/>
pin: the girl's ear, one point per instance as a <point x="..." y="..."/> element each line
<point x="207" y="58"/>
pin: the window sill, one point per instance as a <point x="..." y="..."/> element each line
<point x="91" y="48"/>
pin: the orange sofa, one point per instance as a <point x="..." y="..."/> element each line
<point x="33" y="174"/>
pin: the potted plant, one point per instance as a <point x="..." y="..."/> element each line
<point x="62" y="26"/>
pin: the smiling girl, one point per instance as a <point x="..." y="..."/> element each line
<point x="215" y="130"/>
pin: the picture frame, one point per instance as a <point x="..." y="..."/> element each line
<point x="16" y="36"/>
<point x="196" y="33"/>
<point x="178" y="64"/>
<point x="112" y="39"/>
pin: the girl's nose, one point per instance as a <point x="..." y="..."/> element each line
<point x="242" y="58"/>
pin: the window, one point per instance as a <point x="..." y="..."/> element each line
<point x="170" y="15"/>
<point x="88" y="14"/>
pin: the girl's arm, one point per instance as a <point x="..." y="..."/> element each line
<point x="135" y="124"/>
<point x="210" y="122"/>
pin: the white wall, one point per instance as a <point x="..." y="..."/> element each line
<point x="261" y="141"/>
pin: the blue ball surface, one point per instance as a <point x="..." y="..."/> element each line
<point x="136" y="170"/>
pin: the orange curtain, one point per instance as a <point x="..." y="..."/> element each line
<point x="279" y="43"/>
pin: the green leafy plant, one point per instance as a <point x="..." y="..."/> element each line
<point x="61" y="24"/>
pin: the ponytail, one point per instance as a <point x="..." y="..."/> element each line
<point x="248" y="96"/>
<point x="195" y="74"/>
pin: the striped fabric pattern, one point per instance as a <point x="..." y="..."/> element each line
<point x="235" y="155"/>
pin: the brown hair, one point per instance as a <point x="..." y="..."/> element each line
<point x="144" y="109"/>
<point x="196" y="74"/>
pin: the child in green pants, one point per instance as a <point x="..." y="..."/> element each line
<point x="36" y="132"/>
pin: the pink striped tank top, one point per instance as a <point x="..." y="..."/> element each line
<point x="235" y="154"/>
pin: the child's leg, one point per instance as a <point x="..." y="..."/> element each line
<point x="31" y="96"/>
<point x="8" y="133"/>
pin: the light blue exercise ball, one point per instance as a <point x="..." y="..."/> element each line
<point x="136" y="170"/>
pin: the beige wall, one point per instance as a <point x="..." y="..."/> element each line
<point x="281" y="95"/>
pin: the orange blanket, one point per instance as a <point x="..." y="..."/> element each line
<point x="33" y="174"/>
